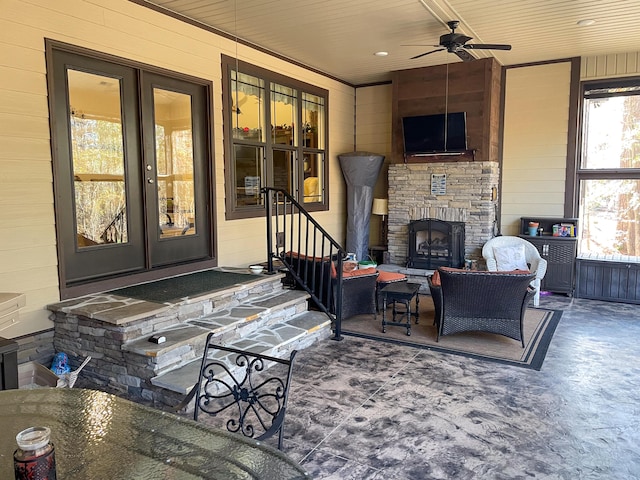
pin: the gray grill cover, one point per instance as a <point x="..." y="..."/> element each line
<point x="360" y="170"/>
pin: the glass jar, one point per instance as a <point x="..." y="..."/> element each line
<point x="34" y="459"/>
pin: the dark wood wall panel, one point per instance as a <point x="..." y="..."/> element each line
<point x="472" y="87"/>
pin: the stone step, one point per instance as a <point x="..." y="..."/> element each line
<point x="115" y="331"/>
<point x="185" y="341"/>
<point x="277" y="340"/>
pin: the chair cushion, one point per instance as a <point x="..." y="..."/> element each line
<point x="510" y="258"/>
<point x="390" y="277"/>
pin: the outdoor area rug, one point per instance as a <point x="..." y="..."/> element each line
<point x="539" y="327"/>
<point x="173" y="289"/>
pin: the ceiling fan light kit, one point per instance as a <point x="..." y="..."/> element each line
<point x="456" y="43"/>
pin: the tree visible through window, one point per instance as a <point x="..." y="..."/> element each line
<point x="609" y="171"/>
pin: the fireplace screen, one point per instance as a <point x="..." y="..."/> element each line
<point x="436" y="243"/>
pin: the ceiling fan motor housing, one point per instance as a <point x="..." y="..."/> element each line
<point x="453" y="40"/>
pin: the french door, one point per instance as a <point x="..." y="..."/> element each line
<point x="131" y="168"/>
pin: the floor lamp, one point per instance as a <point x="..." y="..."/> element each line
<point x="381" y="207"/>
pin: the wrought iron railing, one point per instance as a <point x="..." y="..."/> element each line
<point x="114" y="232"/>
<point x="311" y="256"/>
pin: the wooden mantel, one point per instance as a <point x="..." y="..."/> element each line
<point x="466" y="156"/>
<point x="472" y="87"/>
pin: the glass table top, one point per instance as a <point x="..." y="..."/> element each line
<point x="100" y="436"/>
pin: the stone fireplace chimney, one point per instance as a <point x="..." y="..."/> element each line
<point x="465" y="195"/>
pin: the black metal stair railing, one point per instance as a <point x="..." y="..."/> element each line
<point x="114" y="232"/>
<point x="307" y="251"/>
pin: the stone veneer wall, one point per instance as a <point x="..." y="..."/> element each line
<point x="36" y="347"/>
<point x="468" y="199"/>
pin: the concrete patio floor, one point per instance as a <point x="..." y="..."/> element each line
<point x="361" y="409"/>
<point x="364" y="410"/>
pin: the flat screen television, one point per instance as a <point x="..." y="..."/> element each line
<point x="427" y="134"/>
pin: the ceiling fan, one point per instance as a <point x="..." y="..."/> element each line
<point x="456" y="43"/>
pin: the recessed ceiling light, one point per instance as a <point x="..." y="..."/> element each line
<point x="586" y="22"/>
<point x="381" y="54"/>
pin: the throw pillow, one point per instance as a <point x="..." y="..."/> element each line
<point x="510" y="258"/>
<point x="359" y="273"/>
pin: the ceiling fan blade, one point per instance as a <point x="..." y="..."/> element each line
<point x="464" y="55"/>
<point x="427" y="53"/>
<point x="488" y="46"/>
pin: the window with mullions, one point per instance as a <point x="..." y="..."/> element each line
<point x="279" y="144"/>
<point x="609" y="171"/>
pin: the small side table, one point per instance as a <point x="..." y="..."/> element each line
<point x="400" y="292"/>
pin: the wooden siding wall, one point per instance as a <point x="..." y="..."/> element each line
<point x="28" y="259"/>
<point x="614" y="65"/>
<point x="471" y="87"/>
<point x="534" y="160"/>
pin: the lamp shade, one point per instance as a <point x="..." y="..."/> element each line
<point x="380" y="206"/>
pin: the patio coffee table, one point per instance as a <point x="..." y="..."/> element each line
<point x="403" y="293"/>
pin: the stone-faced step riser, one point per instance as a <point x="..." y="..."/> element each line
<point x="79" y="333"/>
<point x="109" y="358"/>
<point x="163" y="397"/>
<point x="149" y="366"/>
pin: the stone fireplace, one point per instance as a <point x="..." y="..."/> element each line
<point x="465" y="194"/>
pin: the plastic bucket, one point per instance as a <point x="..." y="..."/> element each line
<point x="367" y="264"/>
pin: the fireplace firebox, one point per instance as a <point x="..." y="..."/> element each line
<point x="435" y="243"/>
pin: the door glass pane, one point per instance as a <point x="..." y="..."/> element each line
<point x="97" y="158"/>
<point x="610" y="219"/>
<point x="247" y="107"/>
<point x="174" y="163"/>
<point x="283" y="170"/>
<point x="313" y="177"/>
<point x="283" y="115"/>
<point x="249" y="177"/>
<point x="313" y="121"/>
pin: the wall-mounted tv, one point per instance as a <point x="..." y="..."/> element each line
<point x="427" y="133"/>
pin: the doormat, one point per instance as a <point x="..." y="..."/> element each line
<point x="174" y="289"/>
<point x="539" y="327"/>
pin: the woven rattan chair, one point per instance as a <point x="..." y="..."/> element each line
<point x="537" y="264"/>
<point x="492" y="302"/>
<point x="358" y="287"/>
<point x="234" y="385"/>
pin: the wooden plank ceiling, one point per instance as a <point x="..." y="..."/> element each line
<point x="340" y="37"/>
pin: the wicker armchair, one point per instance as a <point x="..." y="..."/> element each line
<point x="492" y="302"/>
<point x="358" y="287"/>
<point x="536" y="263"/>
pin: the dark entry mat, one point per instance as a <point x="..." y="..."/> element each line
<point x="184" y="286"/>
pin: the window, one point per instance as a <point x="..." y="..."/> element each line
<point x="609" y="171"/>
<point x="276" y="129"/>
